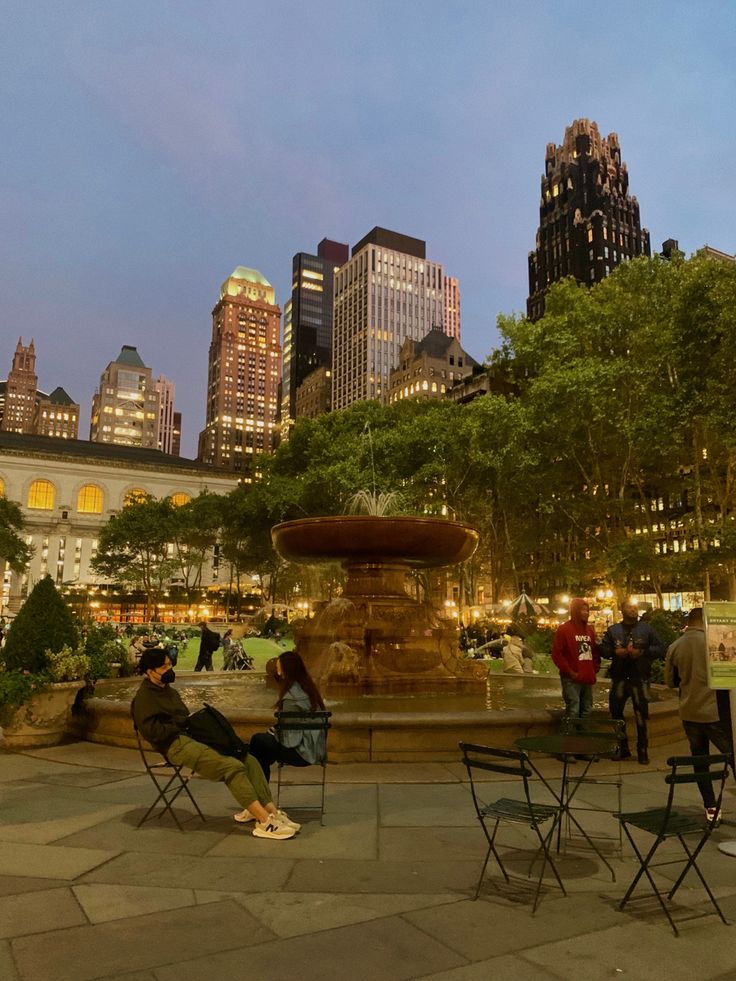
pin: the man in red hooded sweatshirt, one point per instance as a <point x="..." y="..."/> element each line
<point x="575" y="653"/>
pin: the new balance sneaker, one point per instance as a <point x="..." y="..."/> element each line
<point x="713" y="816"/>
<point x="243" y="817"/>
<point x="285" y="819"/>
<point x="272" y="828"/>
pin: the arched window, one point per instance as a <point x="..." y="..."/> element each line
<point x="136" y="495"/>
<point x="179" y="499"/>
<point x="2" y="487"/>
<point x="41" y="495"/>
<point x="89" y="499"/>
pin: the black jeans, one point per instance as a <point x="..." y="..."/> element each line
<point x="699" y="735"/>
<point x="267" y="750"/>
<point x="204" y="661"/>
<point x="637" y="690"/>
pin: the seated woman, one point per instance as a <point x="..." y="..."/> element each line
<point x="297" y="693"/>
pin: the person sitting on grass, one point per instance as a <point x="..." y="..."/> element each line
<point x="297" y="693"/>
<point x="161" y="717"/>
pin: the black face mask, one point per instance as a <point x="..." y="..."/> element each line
<point x="168" y="677"/>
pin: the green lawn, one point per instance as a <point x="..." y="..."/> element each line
<point x="259" y="648"/>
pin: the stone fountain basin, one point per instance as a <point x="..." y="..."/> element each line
<point x="421" y="543"/>
<point x="378" y="729"/>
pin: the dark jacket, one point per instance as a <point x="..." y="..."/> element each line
<point x="159" y="714"/>
<point x="644" y="638"/>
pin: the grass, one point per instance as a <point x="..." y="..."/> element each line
<point x="261" y="649"/>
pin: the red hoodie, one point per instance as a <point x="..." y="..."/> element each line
<point x="574" y="649"/>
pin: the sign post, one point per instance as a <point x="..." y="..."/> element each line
<point x="720" y="638"/>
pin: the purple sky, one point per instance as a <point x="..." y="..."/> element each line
<point x="148" y="147"/>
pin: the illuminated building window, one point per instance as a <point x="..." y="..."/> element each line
<point x="41" y="495"/>
<point x="135" y="495"/>
<point x="89" y="499"/>
<point x="180" y="499"/>
<point x="2" y="487"/>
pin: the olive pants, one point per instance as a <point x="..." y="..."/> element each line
<point x="244" y="780"/>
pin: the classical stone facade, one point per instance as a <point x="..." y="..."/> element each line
<point x="68" y="492"/>
<point x="588" y="221"/>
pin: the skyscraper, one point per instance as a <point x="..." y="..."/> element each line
<point x="125" y="407"/>
<point x="19" y="405"/>
<point x="451" y="289"/>
<point x="243" y="377"/>
<point x="168" y="428"/>
<point x="25" y="409"/>
<point x="386" y="292"/>
<point x="588" y="221"/>
<point x="308" y="319"/>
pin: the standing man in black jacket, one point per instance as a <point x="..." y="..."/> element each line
<point x="207" y="646"/>
<point x="632" y="645"/>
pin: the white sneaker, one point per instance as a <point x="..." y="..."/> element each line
<point x="243" y="817"/>
<point x="713" y="816"/>
<point x="285" y="819"/>
<point x="272" y="828"/>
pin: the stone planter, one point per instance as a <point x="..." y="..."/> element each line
<point x="42" y="721"/>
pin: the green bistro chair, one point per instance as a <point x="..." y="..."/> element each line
<point x="664" y="823"/>
<point x="169" y="782"/>
<point x="491" y="814"/>
<point x="301" y="722"/>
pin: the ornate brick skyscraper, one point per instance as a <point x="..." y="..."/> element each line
<point x="243" y="378"/>
<point x="20" y="390"/>
<point x="588" y="221"/>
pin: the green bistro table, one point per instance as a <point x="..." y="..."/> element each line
<point x="590" y="747"/>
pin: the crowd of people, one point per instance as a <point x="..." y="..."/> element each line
<point x="631" y="646"/>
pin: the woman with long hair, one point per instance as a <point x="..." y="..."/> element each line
<point x="297" y="693"/>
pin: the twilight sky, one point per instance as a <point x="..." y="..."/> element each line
<point x="148" y="147"/>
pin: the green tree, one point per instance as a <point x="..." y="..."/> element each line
<point x="134" y="548"/>
<point x="14" y="552"/>
<point x="44" y="623"/>
<point x="195" y="527"/>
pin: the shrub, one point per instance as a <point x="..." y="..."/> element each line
<point x="44" y="623"/>
<point x="103" y="650"/>
<point x="16" y="688"/>
<point x="67" y="665"/>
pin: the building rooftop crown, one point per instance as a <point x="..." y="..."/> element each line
<point x="60" y="397"/>
<point x="129" y="356"/>
<point x="252" y="275"/>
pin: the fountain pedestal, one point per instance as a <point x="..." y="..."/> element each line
<point x="376" y="638"/>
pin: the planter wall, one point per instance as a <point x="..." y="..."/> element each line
<point x="44" y="720"/>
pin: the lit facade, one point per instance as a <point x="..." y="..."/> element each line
<point x="388" y="291"/>
<point x="428" y="368"/>
<point x="451" y="291"/>
<point x="588" y="221"/>
<point x="125" y="408"/>
<point x="314" y="395"/>
<point x="243" y="376"/>
<point x="19" y="404"/>
<point x="56" y="415"/>
<point x="68" y="493"/>
<point x="308" y="320"/>
<point x="169" y="434"/>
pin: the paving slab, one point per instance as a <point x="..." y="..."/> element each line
<point x="7" y="963"/>
<point x="269" y="871"/>
<point x="155" y="835"/>
<point x="346" y="876"/>
<point x="125" y="946"/>
<point x="432" y="844"/>
<point x="50" y="861"/>
<point x="350" y="798"/>
<point x="16" y="885"/>
<point x="389" y="949"/>
<point x="506" y="968"/>
<point x="490" y="927"/>
<point x="89" y="754"/>
<point x="32" y="822"/>
<point x="102" y="903"/>
<point x="386" y="773"/>
<point x="637" y="950"/>
<point x="294" y="914"/>
<point x="426" y="804"/>
<point x="19" y="915"/>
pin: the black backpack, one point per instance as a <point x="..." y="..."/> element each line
<point x="209" y="726"/>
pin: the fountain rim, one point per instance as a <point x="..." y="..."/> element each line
<point x="373" y="553"/>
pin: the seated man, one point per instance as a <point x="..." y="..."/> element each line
<point x="161" y="716"/>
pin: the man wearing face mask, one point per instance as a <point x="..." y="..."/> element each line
<point x="161" y="717"/>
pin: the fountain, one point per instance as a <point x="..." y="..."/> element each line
<point x="376" y="638"/>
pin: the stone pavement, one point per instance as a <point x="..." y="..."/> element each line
<point x="382" y="892"/>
